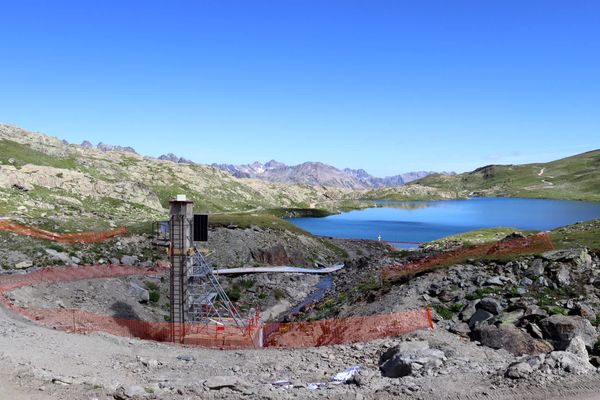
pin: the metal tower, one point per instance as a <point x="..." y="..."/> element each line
<point x="196" y="295"/>
<point x="181" y="227"/>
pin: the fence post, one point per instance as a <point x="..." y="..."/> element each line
<point x="429" y="318"/>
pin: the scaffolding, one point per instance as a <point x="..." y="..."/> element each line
<point x="199" y="304"/>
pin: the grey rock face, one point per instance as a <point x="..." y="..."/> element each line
<point x="408" y="357"/>
<point x="490" y="304"/>
<point x="509" y="338"/>
<point x="579" y="257"/>
<point x="563" y="276"/>
<point x="536" y="269"/>
<point x="577" y="347"/>
<point x="561" y="329"/>
<point x="142" y="295"/>
<point x="570" y="362"/>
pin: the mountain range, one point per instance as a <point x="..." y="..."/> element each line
<point x="307" y="173"/>
<point x="318" y="173"/>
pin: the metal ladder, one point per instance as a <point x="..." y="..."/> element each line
<point x="200" y="270"/>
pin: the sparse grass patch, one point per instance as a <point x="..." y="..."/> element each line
<point x="480" y="293"/>
<point x="278" y="294"/>
<point x="371" y="284"/>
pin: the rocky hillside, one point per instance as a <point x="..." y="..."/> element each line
<point x="317" y="173"/>
<point x="42" y="176"/>
<point x="99" y="186"/>
<point x="576" y="177"/>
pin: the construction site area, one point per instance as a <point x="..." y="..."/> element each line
<point x="378" y="323"/>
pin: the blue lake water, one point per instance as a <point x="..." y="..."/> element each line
<point x="429" y="220"/>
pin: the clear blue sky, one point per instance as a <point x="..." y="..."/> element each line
<point x="389" y="86"/>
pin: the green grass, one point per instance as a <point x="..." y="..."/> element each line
<point x="261" y="220"/>
<point x="584" y="234"/>
<point x="22" y="154"/>
<point x="278" y="294"/>
<point x="573" y="178"/>
<point x="448" y="312"/>
<point x="480" y="236"/>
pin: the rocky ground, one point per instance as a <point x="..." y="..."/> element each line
<point x="505" y="329"/>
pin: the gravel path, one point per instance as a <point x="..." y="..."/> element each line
<point x="40" y="363"/>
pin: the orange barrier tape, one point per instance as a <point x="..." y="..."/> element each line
<point x="77" y="237"/>
<point x="531" y="244"/>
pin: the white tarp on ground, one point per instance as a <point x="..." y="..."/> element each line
<point x="281" y="269"/>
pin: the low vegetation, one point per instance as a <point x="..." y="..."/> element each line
<point x="574" y="178"/>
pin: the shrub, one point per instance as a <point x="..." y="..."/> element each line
<point x="154" y="296"/>
<point x="234" y="294"/>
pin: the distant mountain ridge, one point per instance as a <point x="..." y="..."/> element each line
<point x="318" y="173"/>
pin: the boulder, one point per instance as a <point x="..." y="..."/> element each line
<point x="577" y="347"/>
<point x="561" y="329"/>
<point x="490" y="304"/>
<point x="578" y="257"/>
<point x="509" y="338"/>
<point x="518" y="370"/>
<point x="24" y="264"/>
<point x="58" y="256"/>
<point x="479" y="317"/>
<point x="468" y="311"/>
<point x="536" y="269"/>
<point x="129" y="260"/>
<point x="570" y="362"/>
<point x="584" y="310"/>
<point x="563" y="276"/>
<point x="526" y="282"/>
<point x="461" y="329"/>
<point x="534" y="312"/>
<point x="494" y="281"/>
<point x="408" y="357"/>
<point x="139" y="293"/>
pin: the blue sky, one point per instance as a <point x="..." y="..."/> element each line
<point x="389" y="86"/>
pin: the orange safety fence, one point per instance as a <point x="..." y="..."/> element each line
<point x="255" y="334"/>
<point x="345" y="330"/>
<point x="217" y="335"/>
<point x="530" y="244"/>
<point x="76" y="237"/>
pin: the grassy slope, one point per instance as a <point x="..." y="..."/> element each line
<point x="581" y="234"/>
<point x="575" y="178"/>
<point x="479" y="236"/>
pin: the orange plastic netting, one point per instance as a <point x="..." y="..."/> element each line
<point x="77" y="237"/>
<point x="255" y="334"/>
<point x="530" y="244"/>
<point x="345" y="330"/>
